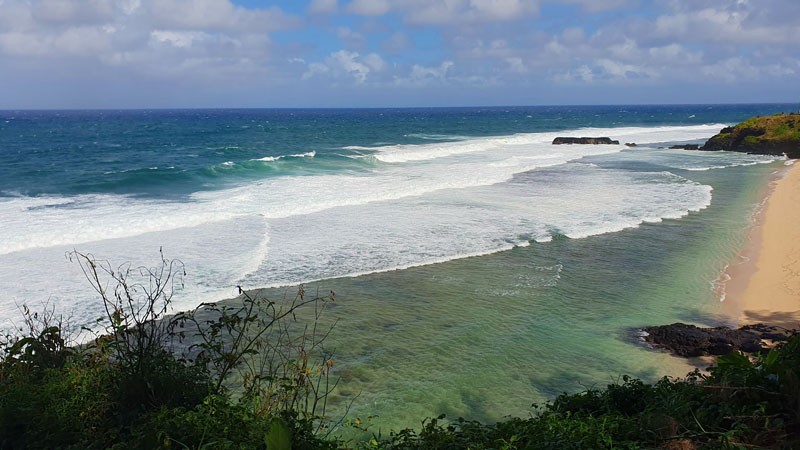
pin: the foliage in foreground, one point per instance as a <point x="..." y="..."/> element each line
<point x="134" y="387"/>
<point x="741" y="403"/>
<point x="148" y="380"/>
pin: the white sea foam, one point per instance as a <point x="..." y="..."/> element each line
<point x="310" y="154"/>
<point x="423" y="204"/>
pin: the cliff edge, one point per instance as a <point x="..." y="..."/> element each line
<point x="769" y="135"/>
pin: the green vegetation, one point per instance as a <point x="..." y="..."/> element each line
<point x="741" y="403"/>
<point x="148" y="380"/>
<point x="252" y="376"/>
<point x="774" y="135"/>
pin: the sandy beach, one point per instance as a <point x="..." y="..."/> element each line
<point x="766" y="286"/>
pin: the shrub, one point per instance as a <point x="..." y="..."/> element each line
<point x="127" y="388"/>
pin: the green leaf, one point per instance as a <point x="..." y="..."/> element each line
<point x="279" y="436"/>
<point x="770" y="359"/>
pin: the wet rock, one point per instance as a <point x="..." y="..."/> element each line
<point x="584" y="140"/>
<point x="692" y="341"/>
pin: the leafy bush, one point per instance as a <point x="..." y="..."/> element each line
<point x="150" y="380"/>
<point x="127" y="387"/>
<point x="743" y="402"/>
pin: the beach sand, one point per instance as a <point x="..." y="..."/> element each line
<point x="765" y="286"/>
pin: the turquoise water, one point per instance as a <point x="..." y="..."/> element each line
<point x="478" y="268"/>
<point x="486" y="337"/>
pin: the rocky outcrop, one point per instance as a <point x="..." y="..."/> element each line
<point x="770" y="135"/>
<point x="686" y="147"/>
<point x="584" y="140"/>
<point x="691" y="341"/>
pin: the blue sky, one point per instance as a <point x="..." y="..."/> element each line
<point x="374" y="53"/>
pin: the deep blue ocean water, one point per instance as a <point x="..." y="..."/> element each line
<point x="478" y="267"/>
<point x="162" y="153"/>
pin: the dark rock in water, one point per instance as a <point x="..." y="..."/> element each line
<point x="686" y="147"/>
<point x="770" y="135"/>
<point x="631" y="144"/>
<point x="690" y="341"/>
<point x="584" y="140"/>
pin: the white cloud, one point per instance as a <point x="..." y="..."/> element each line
<point x="348" y="63"/>
<point x="352" y="39"/>
<point x="152" y="38"/>
<point x="582" y="74"/>
<point x="375" y="62"/>
<point x="592" y="6"/>
<point x="315" y="69"/>
<point x="84" y="41"/>
<point x="626" y="50"/>
<point x="218" y="15"/>
<point x="130" y="7"/>
<point x="396" y="43"/>
<point x="740" y="25"/>
<point x="573" y="36"/>
<point x="345" y="64"/>
<point x="179" y="39"/>
<point x="501" y="9"/>
<point x="732" y="70"/>
<point x="675" y="54"/>
<point x="516" y="65"/>
<point x="369" y="7"/>
<point x="619" y="70"/>
<point x="323" y="7"/>
<point x="16" y="43"/>
<point x="73" y="12"/>
<point x="447" y="12"/>
<point x="422" y="75"/>
<point x="490" y="42"/>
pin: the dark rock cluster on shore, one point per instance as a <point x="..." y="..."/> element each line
<point x="584" y="140"/>
<point x="691" y="341"/>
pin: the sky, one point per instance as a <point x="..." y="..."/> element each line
<point x="395" y="53"/>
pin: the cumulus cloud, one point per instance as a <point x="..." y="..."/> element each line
<point x="396" y="43"/>
<point x="739" y="24"/>
<point x="218" y="15"/>
<point x="369" y="7"/>
<point x="345" y="64"/>
<point x="405" y="44"/>
<point x="72" y="12"/>
<point x="422" y="75"/>
<point x="593" y="6"/>
<point x="351" y="38"/>
<point x="159" y="38"/>
<point x="323" y="7"/>
<point x="438" y="12"/>
<point x="466" y="11"/>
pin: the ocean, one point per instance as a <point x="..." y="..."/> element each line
<point x="478" y="268"/>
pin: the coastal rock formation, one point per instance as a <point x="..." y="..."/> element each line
<point x="769" y="135"/>
<point x="690" y="341"/>
<point x="584" y="140"/>
<point x="685" y="147"/>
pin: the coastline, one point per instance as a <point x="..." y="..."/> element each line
<point x="764" y="286"/>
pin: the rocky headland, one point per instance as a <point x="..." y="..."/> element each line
<point x="769" y="135"/>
